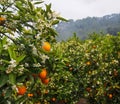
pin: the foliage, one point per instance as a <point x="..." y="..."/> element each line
<point x="24" y="26"/>
<point x="95" y="63"/>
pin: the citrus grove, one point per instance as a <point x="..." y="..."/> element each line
<point x="36" y="69"/>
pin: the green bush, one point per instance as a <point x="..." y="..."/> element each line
<point x="95" y="63"/>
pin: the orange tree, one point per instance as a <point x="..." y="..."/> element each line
<point x="95" y="63"/>
<point x="29" y="67"/>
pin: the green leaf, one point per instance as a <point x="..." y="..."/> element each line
<point x="19" y="5"/>
<point x="63" y="19"/>
<point x="3" y="79"/>
<point x="21" y="99"/>
<point x="21" y="78"/>
<point x="48" y="8"/>
<point x="39" y="2"/>
<point x="10" y="32"/>
<point x="8" y="93"/>
<point x="1" y="48"/>
<point x="4" y="40"/>
<point x="30" y="4"/>
<point x="2" y="68"/>
<point x="5" y="61"/>
<point x="19" y="59"/>
<point x="55" y="22"/>
<point x="12" y="53"/>
<point x="16" y="17"/>
<point x="12" y="78"/>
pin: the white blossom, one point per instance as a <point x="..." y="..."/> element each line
<point x="36" y="65"/>
<point x="44" y="57"/>
<point x="5" y="46"/>
<point x="14" y="87"/>
<point x="26" y="65"/>
<point x="9" y="69"/>
<point x="13" y="63"/>
<point x="21" y="69"/>
<point x="34" y="50"/>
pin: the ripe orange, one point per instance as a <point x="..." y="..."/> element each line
<point x="2" y="20"/>
<point x="45" y="81"/>
<point x="88" y="89"/>
<point x="46" y="46"/>
<point x="110" y="96"/>
<point x="30" y="95"/>
<point x="21" y="90"/>
<point x="88" y="63"/>
<point x="53" y="99"/>
<point x="43" y="74"/>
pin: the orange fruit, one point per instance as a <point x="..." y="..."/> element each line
<point x="3" y="94"/>
<point x="67" y="64"/>
<point x="43" y="74"/>
<point x="45" y="81"/>
<point x="88" y="63"/>
<point x="30" y="95"/>
<point x="110" y="96"/>
<point x="88" y="89"/>
<point x="70" y="68"/>
<point x="115" y="73"/>
<point x="46" y="92"/>
<point x="2" y="20"/>
<point x="37" y="103"/>
<point x="94" y="46"/>
<point x="21" y="90"/>
<point x="46" y="46"/>
<point x="53" y="99"/>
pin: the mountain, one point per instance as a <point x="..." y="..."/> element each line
<point x="83" y="27"/>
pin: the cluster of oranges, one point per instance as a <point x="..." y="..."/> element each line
<point x="43" y="76"/>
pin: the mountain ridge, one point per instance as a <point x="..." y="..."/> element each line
<point x="83" y="27"/>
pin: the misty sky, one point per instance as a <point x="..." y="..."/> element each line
<point x="78" y="9"/>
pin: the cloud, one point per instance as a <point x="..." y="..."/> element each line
<point x="77" y="9"/>
<point x="89" y="1"/>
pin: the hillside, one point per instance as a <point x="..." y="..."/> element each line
<point x="84" y="27"/>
